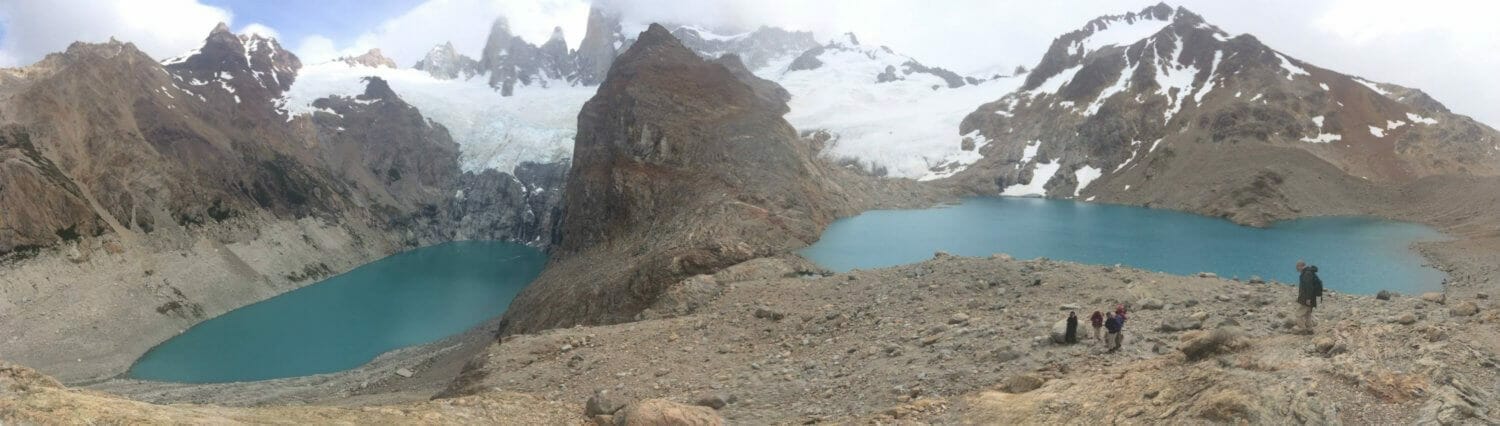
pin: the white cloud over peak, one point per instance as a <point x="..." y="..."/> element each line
<point x="408" y="37"/>
<point x="259" y="29"/>
<point x="161" y="28"/>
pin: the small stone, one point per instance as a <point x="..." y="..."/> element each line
<point x="940" y="254"/>
<point x="1223" y="298"/>
<point x="716" y="400"/>
<point x="1406" y="319"/>
<point x="1207" y="275"/>
<point x="1001" y="256"/>
<point x="1070" y="307"/>
<point x="765" y="313"/>
<point x="566" y="348"/>
<point x="404" y="372"/>
<point x="1149" y="304"/>
<point x="1482" y="296"/>
<point x="1256" y="279"/>
<point x="959" y="318"/>
<point x="1383" y="295"/>
<point x="1463" y="309"/>
<point x="1199" y="316"/>
<point x="1435" y="297"/>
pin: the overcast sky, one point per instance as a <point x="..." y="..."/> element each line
<point x="1445" y="47"/>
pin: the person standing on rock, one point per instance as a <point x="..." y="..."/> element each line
<point x="1309" y="289"/>
<point x="1071" y="335"/>
<point x="1097" y="319"/>
<point x="1116" y="327"/>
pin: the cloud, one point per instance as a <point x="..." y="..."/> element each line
<point x="315" y="49"/>
<point x="259" y="29"/>
<point x="161" y="28"/>
<point x="465" y="23"/>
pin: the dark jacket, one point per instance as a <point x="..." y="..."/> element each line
<point x="1113" y="325"/>
<point x="1071" y="334"/>
<point x="1309" y="287"/>
<point x="1097" y="319"/>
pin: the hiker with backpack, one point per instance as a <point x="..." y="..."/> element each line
<point x="1309" y="289"/>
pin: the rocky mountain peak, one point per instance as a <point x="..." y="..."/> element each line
<point x="602" y="41"/>
<point x="1111" y="105"/>
<point x="238" y="68"/>
<point x="373" y="58"/>
<point x="642" y="169"/>
<point x="444" y="62"/>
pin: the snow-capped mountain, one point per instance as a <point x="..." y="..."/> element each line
<point x="1160" y="99"/>
<point x="237" y="67"/>
<point x="446" y="63"/>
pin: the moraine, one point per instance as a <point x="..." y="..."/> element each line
<point x="342" y="322"/>
<point x="1353" y="254"/>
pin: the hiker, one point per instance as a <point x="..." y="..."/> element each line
<point x="1071" y="336"/>
<point x="1309" y="289"/>
<point x="1098" y="321"/>
<point x="1115" y="325"/>
<point x="1120" y="313"/>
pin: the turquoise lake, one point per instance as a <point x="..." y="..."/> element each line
<point x="1353" y="254"/>
<point x="347" y="320"/>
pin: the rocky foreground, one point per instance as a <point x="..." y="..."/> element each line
<point x="950" y="340"/>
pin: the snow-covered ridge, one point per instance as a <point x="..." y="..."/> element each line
<point x="907" y="127"/>
<point x="493" y="131"/>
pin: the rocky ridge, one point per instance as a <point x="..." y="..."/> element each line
<point x="1132" y="108"/>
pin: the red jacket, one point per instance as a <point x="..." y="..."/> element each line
<point x="1097" y="319"/>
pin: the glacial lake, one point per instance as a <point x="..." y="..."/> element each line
<point x="347" y="320"/>
<point x="1356" y="255"/>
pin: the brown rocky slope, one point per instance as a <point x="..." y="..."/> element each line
<point x="681" y="167"/>
<point x="142" y="197"/>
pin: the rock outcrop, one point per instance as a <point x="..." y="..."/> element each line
<point x="373" y="59"/>
<point x="681" y="167"/>
<point x="446" y="63"/>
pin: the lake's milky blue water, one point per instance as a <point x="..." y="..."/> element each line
<point x="345" y="321"/>
<point x="1353" y="254"/>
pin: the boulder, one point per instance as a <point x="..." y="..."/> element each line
<point x="602" y="404"/>
<point x="660" y="412"/>
<point x="1149" y="304"/>
<point x="1179" y="324"/>
<point x="1207" y="275"/>
<point x="1406" y="319"/>
<point x="1435" y="297"/>
<point x="687" y="296"/>
<point x="1060" y="331"/>
<point x="1256" y="279"/>
<point x="1384" y="295"/>
<point x="1070" y="307"/>
<point x="959" y="318"/>
<point x="766" y="313"/>
<point x="1463" y="309"/>
<point x="715" y="400"/>
<point x="1197" y="345"/>
<point x="1022" y="383"/>
<point x="404" y="372"/>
